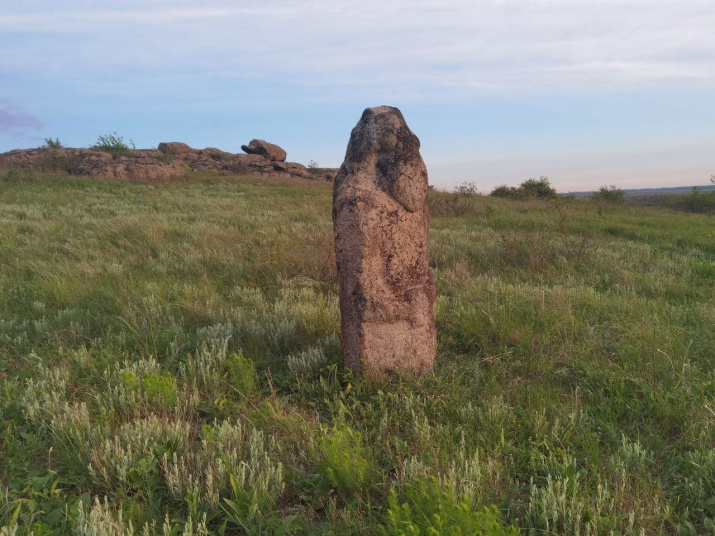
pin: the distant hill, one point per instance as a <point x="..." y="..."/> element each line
<point x="675" y="190"/>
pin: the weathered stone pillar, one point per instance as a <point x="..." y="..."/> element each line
<point x="381" y="224"/>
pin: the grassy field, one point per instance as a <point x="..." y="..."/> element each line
<point x="170" y="363"/>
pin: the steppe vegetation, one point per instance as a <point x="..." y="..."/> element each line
<point x="170" y="363"/>
<point x="113" y="143"/>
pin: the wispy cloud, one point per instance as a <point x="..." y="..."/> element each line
<point x="14" y="120"/>
<point x="413" y="47"/>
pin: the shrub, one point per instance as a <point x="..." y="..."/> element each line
<point x="52" y="144"/>
<point x="609" y="194"/>
<point x="467" y="188"/>
<point x="698" y="201"/>
<point x="508" y="192"/>
<point x="112" y="143"/>
<point x="429" y="510"/>
<point x="314" y="168"/>
<point x="540" y="187"/>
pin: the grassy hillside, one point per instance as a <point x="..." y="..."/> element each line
<point x="170" y="362"/>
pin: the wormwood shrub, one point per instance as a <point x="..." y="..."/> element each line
<point x="429" y="509"/>
<point x="310" y="360"/>
<point x="343" y="462"/>
<point x="102" y="518"/>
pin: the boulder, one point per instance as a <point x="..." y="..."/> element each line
<point x="381" y="226"/>
<point x="268" y="150"/>
<point x="179" y="150"/>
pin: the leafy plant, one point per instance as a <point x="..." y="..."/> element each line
<point x="53" y="144"/>
<point x="429" y="509"/>
<point x="112" y="143"/>
<point x="254" y="514"/>
<point x="343" y="462"/>
<point x="242" y="373"/>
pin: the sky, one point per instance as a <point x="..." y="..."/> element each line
<point x="585" y="92"/>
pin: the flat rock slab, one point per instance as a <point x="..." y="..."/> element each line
<point x="381" y="225"/>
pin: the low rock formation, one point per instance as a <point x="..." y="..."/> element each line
<point x="135" y="165"/>
<point x="178" y="149"/>
<point x="381" y="225"/>
<point x="169" y="161"/>
<point x="263" y="148"/>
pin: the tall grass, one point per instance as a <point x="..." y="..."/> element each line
<point x="170" y="363"/>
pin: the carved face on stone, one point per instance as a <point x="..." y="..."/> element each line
<point x="382" y="145"/>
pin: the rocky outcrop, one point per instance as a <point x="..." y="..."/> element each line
<point x="381" y="225"/>
<point x="169" y="161"/>
<point x="263" y="148"/>
<point x="135" y="165"/>
<point x="178" y="150"/>
<point x="124" y="167"/>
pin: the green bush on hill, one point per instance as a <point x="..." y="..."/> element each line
<point x="609" y="194"/>
<point x="531" y="188"/>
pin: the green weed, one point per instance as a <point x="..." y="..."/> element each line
<point x="428" y="509"/>
<point x="112" y="143"/>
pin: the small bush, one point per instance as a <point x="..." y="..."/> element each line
<point x="532" y="188"/>
<point x="431" y="510"/>
<point x="507" y="192"/>
<point x="52" y="144"/>
<point x="467" y="188"/>
<point x="698" y="201"/>
<point x="343" y="463"/>
<point x="112" y="143"/>
<point x="609" y="194"/>
<point x="314" y="168"/>
<point x="540" y="187"/>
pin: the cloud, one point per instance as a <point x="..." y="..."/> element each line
<point x="416" y="49"/>
<point x="14" y="120"/>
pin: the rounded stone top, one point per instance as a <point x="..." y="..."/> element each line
<point x="384" y="150"/>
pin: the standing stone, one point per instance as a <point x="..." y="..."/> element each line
<point x="381" y="225"/>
